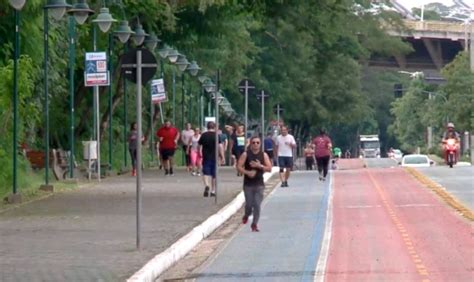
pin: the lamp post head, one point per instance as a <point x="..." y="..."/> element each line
<point x="17" y="4"/>
<point x="173" y="56"/>
<point x="139" y="35"/>
<point x="182" y="63"/>
<point x="209" y="86"/>
<point x="124" y="31"/>
<point x="104" y="19"/>
<point x="164" y="51"/>
<point x="81" y="11"/>
<point x="202" y="78"/>
<point x="58" y="8"/>
<point x="152" y="41"/>
<point x="193" y="68"/>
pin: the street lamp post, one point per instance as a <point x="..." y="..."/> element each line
<point x="79" y="13"/>
<point x="58" y="9"/>
<point x="104" y="20"/>
<point x="151" y="42"/>
<point x="471" y="50"/>
<point x="173" y="57"/>
<point x="17" y="5"/>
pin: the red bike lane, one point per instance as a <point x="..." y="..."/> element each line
<point x="387" y="227"/>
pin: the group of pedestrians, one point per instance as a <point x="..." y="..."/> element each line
<point x="251" y="161"/>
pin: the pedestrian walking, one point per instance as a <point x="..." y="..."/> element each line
<point x="268" y="145"/>
<point x="285" y="143"/>
<point x="194" y="153"/>
<point x="186" y="135"/>
<point x="168" y="137"/>
<point x="252" y="164"/>
<point x="323" y="145"/>
<point x="207" y="147"/>
<point x="223" y="143"/>
<point x="132" y="146"/>
<point x="347" y="154"/>
<point x="309" y="156"/>
<point x="238" y="143"/>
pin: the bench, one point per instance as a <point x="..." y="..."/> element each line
<point x="37" y="159"/>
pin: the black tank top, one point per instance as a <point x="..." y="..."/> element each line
<point x="258" y="179"/>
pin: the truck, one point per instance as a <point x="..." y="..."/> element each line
<point x="369" y="146"/>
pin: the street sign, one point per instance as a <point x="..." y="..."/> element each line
<point x="158" y="93"/>
<point x="96" y="73"/>
<point x="129" y="67"/>
<point x="246" y="84"/>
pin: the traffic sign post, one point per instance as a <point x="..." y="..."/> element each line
<point x="132" y="63"/>
<point x="277" y="109"/>
<point x="244" y="86"/>
<point x="96" y="74"/>
<point x="262" y="96"/>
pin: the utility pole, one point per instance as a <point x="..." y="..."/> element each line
<point x="471" y="53"/>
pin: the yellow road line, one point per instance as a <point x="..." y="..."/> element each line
<point x="401" y="229"/>
<point x="445" y="196"/>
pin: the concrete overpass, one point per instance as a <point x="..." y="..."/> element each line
<point x="435" y="44"/>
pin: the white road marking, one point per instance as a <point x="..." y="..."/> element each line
<point x="323" y="255"/>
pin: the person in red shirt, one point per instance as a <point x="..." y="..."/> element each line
<point x="322" y="151"/>
<point x="168" y="137"/>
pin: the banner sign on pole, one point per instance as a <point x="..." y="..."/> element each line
<point x="96" y="73"/>
<point x="158" y="93"/>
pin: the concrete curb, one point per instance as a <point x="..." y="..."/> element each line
<point x="162" y="261"/>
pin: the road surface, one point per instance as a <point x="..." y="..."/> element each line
<point x="365" y="224"/>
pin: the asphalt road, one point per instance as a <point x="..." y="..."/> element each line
<point x="458" y="181"/>
<point x="372" y="224"/>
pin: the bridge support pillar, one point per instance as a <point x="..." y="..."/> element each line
<point x="434" y="49"/>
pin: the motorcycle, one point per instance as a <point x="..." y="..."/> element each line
<point x="450" y="149"/>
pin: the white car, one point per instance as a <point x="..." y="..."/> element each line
<point x="415" y="160"/>
<point x="397" y="154"/>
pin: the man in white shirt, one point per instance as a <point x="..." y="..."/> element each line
<point x="285" y="143"/>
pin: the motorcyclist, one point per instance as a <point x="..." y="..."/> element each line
<point x="450" y="133"/>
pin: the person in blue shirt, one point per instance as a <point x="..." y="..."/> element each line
<point x="268" y="146"/>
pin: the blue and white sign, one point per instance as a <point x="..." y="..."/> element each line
<point x="158" y="92"/>
<point x="96" y="73"/>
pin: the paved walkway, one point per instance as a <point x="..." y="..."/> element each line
<point x="287" y="247"/>
<point x="89" y="234"/>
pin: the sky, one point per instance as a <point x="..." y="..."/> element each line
<point x="417" y="3"/>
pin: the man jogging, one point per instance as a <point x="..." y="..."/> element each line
<point x="285" y="143"/>
<point x="168" y="137"/>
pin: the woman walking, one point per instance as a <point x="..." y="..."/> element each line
<point x="193" y="151"/>
<point x="132" y="146"/>
<point x="323" y="145"/>
<point x="252" y="164"/>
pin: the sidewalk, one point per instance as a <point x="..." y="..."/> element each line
<point x="89" y="234"/>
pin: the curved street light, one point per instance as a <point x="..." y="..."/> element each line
<point x="124" y="31"/>
<point x="104" y="19"/>
<point x="80" y="11"/>
<point x="164" y="51"/>
<point x="152" y="41"/>
<point x="17" y="5"/>
<point x="173" y="55"/>
<point x="58" y="8"/>
<point x="139" y="35"/>
<point x="194" y="68"/>
<point x="182" y="63"/>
